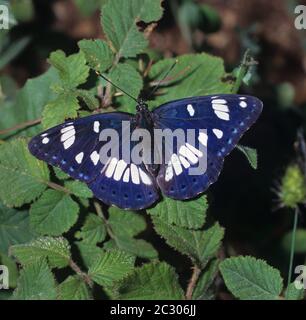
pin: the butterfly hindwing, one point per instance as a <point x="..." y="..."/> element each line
<point x="224" y="118"/>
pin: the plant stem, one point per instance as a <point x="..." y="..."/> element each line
<point x="247" y="61"/>
<point x="20" y="126"/>
<point x="292" y="248"/>
<point x="82" y="274"/>
<point x="192" y="282"/>
<point x="58" y="187"/>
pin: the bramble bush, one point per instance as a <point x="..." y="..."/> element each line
<point x="57" y="240"/>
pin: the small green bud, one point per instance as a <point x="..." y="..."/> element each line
<point x="293" y="187"/>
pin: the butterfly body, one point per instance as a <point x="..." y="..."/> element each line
<point x="216" y="123"/>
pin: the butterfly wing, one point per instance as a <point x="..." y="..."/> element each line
<point x="75" y="147"/>
<point x="224" y="118"/>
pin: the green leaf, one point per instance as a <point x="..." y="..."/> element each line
<point x="65" y="106"/>
<point x="97" y="53"/>
<point x="12" y="268"/>
<point x="36" y="282"/>
<point x="293" y="293"/>
<point x="251" y="279"/>
<point x="61" y="175"/>
<point x="79" y="189"/>
<point x="189" y="214"/>
<point x="111" y="266"/>
<point x="89" y="99"/>
<point x="22" y="177"/>
<point x="93" y="230"/>
<point x="89" y="252"/>
<point x="300" y="241"/>
<point x="56" y="250"/>
<point x="125" y="76"/>
<point x="73" y="70"/>
<point x="119" y="24"/>
<point x="200" y="246"/>
<point x="205" y="280"/>
<point x="125" y="225"/>
<point x="154" y="281"/>
<point x="87" y="8"/>
<point x="73" y="288"/>
<point x="193" y="75"/>
<point x="14" y="228"/>
<point x="54" y="213"/>
<point x="29" y="104"/>
<point x="250" y="154"/>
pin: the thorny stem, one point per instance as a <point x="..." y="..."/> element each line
<point x="82" y="274"/>
<point x="20" y="126"/>
<point x="247" y="62"/>
<point x="292" y="249"/>
<point x="192" y="282"/>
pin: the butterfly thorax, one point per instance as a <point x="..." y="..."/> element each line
<point x="144" y="117"/>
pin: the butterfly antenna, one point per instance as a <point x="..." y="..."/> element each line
<point x="106" y="79"/>
<point x="162" y="79"/>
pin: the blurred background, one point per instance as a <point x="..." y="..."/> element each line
<point x="246" y="202"/>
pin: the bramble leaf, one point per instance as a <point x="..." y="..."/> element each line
<point x="55" y="250"/>
<point x="97" y="53"/>
<point x="79" y="189"/>
<point x="153" y="281"/>
<point x="251" y="279"/>
<point x="250" y="154"/>
<point x="54" y="213"/>
<point x="200" y="246"/>
<point x="125" y="225"/>
<point x="111" y="266"/>
<point x="119" y="19"/>
<point x="22" y="177"/>
<point x="29" y="104"/>
<point x="193" y="75"/>
<point x="93" y="231"/>
<point x="73" y="288"/>
<point x="14" y="228"/>
<point x="189" y="214"/>
<point x="125" y="76"/>
<point x="72" y="70"/>
<point x="57" y="111"/>
<point x="36" y="282"/>
<point x="293" y="292"/>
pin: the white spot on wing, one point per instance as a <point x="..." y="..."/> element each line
<point x="220" y="107"/>
<point x="203" y="138"/>
<point x="190" y="110"/>
<point x="222" y="101"/>
<point x="111" y="168"/>
<point x="44" y="134"/>
<point x="134" y="174"/>
<point x="169" y="172"/>
<point x="68" y="134"/>
<point x="184" y="151"/>
<point x="79" y="157"/>
<point x="144" y="177"/>
<point x="69" y="142"/>
<point x="45" y="140"/>
<point x="126" y="176"/>
<point x="218" y="133"/>
<point x="222" y="115"/>
<point x="184" y="162"/>
<point x="96" y="126"/>
<point x="243" y="104"/>
<point x="176" y="164"/>
<point x="120" y="169"/>
<point x="94" y="157"/>
<point x="196" y="151"/>
<point x="66" y="129"/>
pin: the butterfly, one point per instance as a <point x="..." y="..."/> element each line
<point x="75" y="147"/>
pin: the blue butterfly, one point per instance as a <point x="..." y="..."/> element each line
<point x="74" y="146"/>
